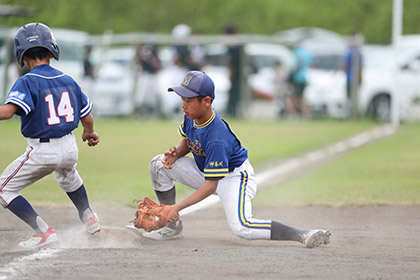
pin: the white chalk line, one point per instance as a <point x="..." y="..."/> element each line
<point x="19" y="264"/>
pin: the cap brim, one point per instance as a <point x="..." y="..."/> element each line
<point x="183" y="92"/>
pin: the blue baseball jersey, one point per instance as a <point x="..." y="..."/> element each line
<point x="215" y="148"/>
<point x="50" y="102"/>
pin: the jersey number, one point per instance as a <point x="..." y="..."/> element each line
<point x="64" y="109"/>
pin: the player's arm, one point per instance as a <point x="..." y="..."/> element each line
<point x="7" y="111"/>
<point x="89" y="133"/>
<point x="204" y="191"/>
<point x="173" y="153"/>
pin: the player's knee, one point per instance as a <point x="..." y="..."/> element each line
<point x="155" y="165"/>
<point x="156" y="169"/>
<point x="7" y="197"/>
<point x="241" y="231"/>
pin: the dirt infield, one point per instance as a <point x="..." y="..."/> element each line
<point x="367" y="243"/>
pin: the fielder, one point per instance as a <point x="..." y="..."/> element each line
<point x="50" y="105"/>
<point x="219" y="165"/>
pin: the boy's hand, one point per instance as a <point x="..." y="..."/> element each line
<point x="170" y="157"/>
<point x="91" y="137"/>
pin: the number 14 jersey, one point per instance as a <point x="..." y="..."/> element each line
<point x="50" y="102"/>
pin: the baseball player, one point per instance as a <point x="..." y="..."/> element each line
<point x="50" y="105"/>
<point x="219" y="165"/>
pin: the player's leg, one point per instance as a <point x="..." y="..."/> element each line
<point x="22" y="172"/>
<point x="235" y="192"/>
<point x="184" y="171"/>
<point x="238" y="208"/>
<point x="70" y="181"/>
<point x="23" y="209"/>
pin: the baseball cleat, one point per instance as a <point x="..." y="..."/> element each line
<point x="39" y="240"/>
<point x="316" y="237"/>
<point x="138" y="231"/>
<point x="92" y="224"/>
<point x="171" y="231"/>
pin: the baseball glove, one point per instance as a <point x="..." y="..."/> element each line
<point x="152" y="216"/>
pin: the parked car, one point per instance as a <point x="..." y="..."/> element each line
<point x="325" y="92"/>
<point x="390" y="74"/>
<point x="269" y="92"/>
<point x="113" y="87"/>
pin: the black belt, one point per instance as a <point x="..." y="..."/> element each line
<point x="47" y="140"/>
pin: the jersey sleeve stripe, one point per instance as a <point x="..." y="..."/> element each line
<point x="25" y="107"/>
<point x="181" y="132"/>
<point x="223" y="170"/>
<point x="86" y="110"/>
<point x="216" y="175"/>
<point x="216" y="172"/>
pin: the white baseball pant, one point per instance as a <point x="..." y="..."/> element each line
<point x="59" y="155"/>
<point x="235" y="192"/>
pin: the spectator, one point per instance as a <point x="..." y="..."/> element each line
<point x="182" y="62"/>
<point x="87" y="63"/>
<point x="281" y="84"/>
<point x="88" y="72"/>
<point x="148" y="65"/>
<point x="298" y="80"/>
<point x="234" y="58"/>
<point x="183" y="56"/>
<point x="353" y="68"/>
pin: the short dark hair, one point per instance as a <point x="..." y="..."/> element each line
<point x="37" y="53"/>
<point x="200" y="97"/>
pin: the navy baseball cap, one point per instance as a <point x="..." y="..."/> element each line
<point x="195" y="83"/>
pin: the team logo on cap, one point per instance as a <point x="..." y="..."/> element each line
<point x="187" y="80"/>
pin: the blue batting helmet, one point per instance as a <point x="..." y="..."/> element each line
<point x="35" y="35"/>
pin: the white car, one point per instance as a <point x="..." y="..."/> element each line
<point x="390" y="74"/>
<point x="325" y="92"/>
<point x="268" y="93"/>
<point x="112" y="89"/>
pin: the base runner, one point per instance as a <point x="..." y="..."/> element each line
<point x="50" y="105"/>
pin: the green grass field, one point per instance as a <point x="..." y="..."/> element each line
<point x="116" y="171"/>
<point x="386" y="172"/>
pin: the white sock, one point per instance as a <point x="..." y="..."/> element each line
<point x="87" y="214"/>
<point x="41" y="224"/>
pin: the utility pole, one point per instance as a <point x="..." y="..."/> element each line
<point x="397" y="16"/>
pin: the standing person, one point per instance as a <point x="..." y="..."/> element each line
<point x="183" y="57"/>
<point x="299" y="80"/>
<point x="219" y="165"/>
<point x="89" y="71"/>
<point x="234" y="62"/>
<point x="148" y="64"/>
<point x="353" y="68"/>
<point x="50" y="105"/>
